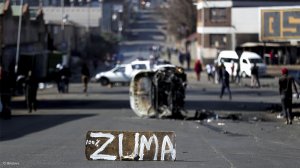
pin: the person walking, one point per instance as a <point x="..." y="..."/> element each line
<point x="188" y="60"/>
<point x="238" y="76"/>
<point x="169" y="53"/>
<point x="198" y="69"/>
<point x="31" y="91"/>
<point x="85" y="76"/>
<point x="6" y="85"/>
<point x="181" y="58"/>
<point x="58" y="78"/>
<point x="286" y="83"/>
<point x="232" y="70"/>
<point x="255" y="76"/>
<point x="65" y="76"/>
<point x="209" y="70"/>
<point x="224" y="77"/>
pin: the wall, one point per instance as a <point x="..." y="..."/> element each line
<point x="85" y="16"/>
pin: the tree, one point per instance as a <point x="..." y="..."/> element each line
<point x="181" y="16"/>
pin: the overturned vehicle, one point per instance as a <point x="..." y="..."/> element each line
<point x="159" y="94"/>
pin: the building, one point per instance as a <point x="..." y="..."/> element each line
<point x="32" y="41"/>
<point x="94" y="3"/>
<point x="229" y="24"/>
<point x="116" y="15"/>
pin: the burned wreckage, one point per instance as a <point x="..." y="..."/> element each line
<point x="159" y="94"/>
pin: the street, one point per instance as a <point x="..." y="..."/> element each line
<point x="54" y="135"/>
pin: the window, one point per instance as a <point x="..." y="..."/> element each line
<point x="229" y="60"/>
<point x="255" y="60"/>
<point x="218" y="14"/>
<point x="218" y="40"/>
<point x="139" y="66"/>
<point x="120" y="69"/>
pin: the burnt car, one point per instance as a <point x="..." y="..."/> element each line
<point x="160" y="93"/>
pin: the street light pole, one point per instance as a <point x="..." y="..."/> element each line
<point x="19" y="37"/>
<point x="89" y="14"/>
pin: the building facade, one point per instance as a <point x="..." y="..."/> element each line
<point x="228" y="24"/>
<point x="32" y="41"/>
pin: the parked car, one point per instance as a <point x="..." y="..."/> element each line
<point x="123" y="73"/>
<point x="228" y="57"/>
<point x="247" y="60"/>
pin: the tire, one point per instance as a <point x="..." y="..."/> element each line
<point x="244" y="75"/>
<point x="104" y="81"/>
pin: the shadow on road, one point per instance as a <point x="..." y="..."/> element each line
<point x="22" y="125"/>
<point x="76" y="104"/>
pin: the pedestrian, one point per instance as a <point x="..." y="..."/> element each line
<point x="286" y="83"/>
<point x="238" y="75"/>
<point x="198" y="69"/>
<point x="255" y="76"/>
<point x="169" y="52"/>
<point x="224" y="77"/>
<point x="6" y="85"/>
<point x="181" y="58"/>
<point x="232" y="70"/>
<point x="31" y="91"/>
<point x="85" y="76"/>
<point x="58" y="78"/>
<point x="271" y="54"/>
<point x="188" y="60"/>
<point x="209" y="71"/>
<point x="216" y="72"/>
<point x="65" y="76"/>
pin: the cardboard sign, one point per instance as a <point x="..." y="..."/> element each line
<point x="124" y="145"/>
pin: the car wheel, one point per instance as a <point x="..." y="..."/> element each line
<point x="244" y="75"/>
<point x="104" y="81"/>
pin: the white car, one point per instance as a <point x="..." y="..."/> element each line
<point x="228" y="57"/>
<point x="123" y="73"/>
<point x="247" y="61"/>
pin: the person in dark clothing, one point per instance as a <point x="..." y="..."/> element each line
<point x="85" y="75"/>
<point x="181" y="58"/>
<point x="31" y="92"/>
<point x="6" y="85"/>
<point x="224" y="77"/>
<point x="65" y="76"/>
<point x="238" y="71"/>
<point x="188" y="60"/>
<point x="286" y="83"/>
<point x="169" y="54"/>
<point x="255" y="76"/>
<point x="58" y="78"/>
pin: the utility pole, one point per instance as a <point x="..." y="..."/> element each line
<point x="19" y="37"/>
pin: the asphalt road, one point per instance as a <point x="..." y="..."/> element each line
<point x="54" y="136"/>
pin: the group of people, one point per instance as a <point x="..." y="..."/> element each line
<point x="185" y="57"/>
<point x="286" y="84"/>
<point x="29" y="87"/>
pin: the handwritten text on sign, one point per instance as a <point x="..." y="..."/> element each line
<point x="117" y="145"/>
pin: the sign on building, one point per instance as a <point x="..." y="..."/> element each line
<point x="280" y="24"/>
<point x="124" y="145"/>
